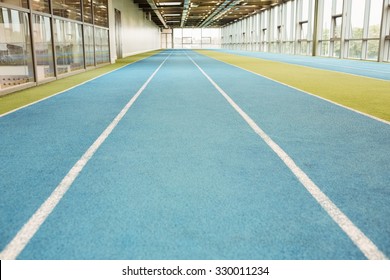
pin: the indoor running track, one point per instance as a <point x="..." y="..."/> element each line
<point x="179" y="156"/>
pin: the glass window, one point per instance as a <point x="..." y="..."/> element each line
<point x="326" y="21"/>
<point x="40" y="6"/>
<point x="325" y="46"/>
<point x="289" y="21"/>
<point x="102" y="50"/>
<point x="177" y="38"/>
<point x="87" y="5"/>
<point x="67" y="8"/>
<point x="339" y="7"/>
<point x="43" y="47"/>
<point x="355" y="49"/>
<point x="337" y="28"/>
<point x="337" y="48"/>
<point x="15" y="49"/>
<point x="100" y="12"/>
<point x="213" y="36"/>
<point x="69" y="46"/>
<point x="19" y="3"/>
<point x="375" y="19"/>
<point x="357" y="22"/>
<point x="196" y="38"/>
<point x="372" y="49"/>
<point x="305" y="10"/>
<point x="304" y="29"/>
<point x="89" y="46"/>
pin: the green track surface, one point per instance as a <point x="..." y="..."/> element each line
<point x="367" y="95"/>
<point x="24" y="97"/>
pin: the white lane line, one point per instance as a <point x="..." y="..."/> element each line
<point x="65" y="90"/>
<point x="21" y="239"/>
<point x="306" y="92"/>
<point x="368" y="248"/>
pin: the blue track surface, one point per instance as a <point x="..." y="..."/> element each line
<point x="355" y="67"/>
<point x="183" y="176"/>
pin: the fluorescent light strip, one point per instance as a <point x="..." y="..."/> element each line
<point x="169" y="4"/>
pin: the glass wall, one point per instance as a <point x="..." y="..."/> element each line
<point x="102" y="49"/>
<point x="67" y="9"/>
<point x="196" y="38"/>
<point x="87" y="9"/>
<point x="17" y="3"/>
<point x="100" y="12"/>
<point x="43" y="47"/>
<point x="356" y="29"/>
<point x="305" y="14"/>
<point x="363" y="34"/>
<point x="67" y="36"/>
<point x="264" y="31"/>
<point x="288" y="24"/>
<point x="89" y="46"/>
<point x="41" y="6"/>
<point x="68" y="46"/>
<point x="386" y="32"/>
<point x="16" y="66"/>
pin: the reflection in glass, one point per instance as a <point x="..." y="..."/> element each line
<point x="69" y="46"/>
<point x="43" y="47"/>
<point x="89" y="46"/>
<point x="40" y="6"/>
<point x="15" y="49"/>
<point x="87" y="6"/>
<point x="67" y="8"/>
<point x="100" y="10"/>
<point x="19" y="3"/>
<point x="102" y="50"/>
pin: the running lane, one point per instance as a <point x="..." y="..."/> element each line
<point x="182" y="176"/>
<point x="346" y="154"/>
<point x="355" y="67"/>
<point x="40" y="143"/>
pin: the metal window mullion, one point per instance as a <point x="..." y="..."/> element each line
<point x="108" y="31"/>
<point x="298" y="18"/>
<point x="83" y="33"/>
<point x="53" y="47"/>
<point x="32" y="42"/>
<point x="384" y="27"/>
<point x="366" y="27"/>
<point x="309" y="35"/>
<point x="315" y="28"/>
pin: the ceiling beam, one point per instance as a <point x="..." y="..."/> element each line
<point x="184" y="14"/>
<point x="157" y="12"/>
<point x="223" y="8"/>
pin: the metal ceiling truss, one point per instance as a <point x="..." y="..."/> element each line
<point x="201" y="13"/>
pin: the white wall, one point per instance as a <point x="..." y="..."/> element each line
<point x="138" y="33"/>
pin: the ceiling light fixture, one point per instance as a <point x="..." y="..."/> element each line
<point x="169" y="4"/>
